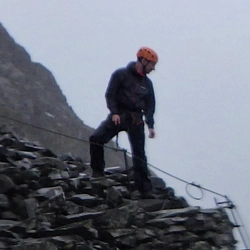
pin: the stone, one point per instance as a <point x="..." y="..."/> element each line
<point x="8" y="215"/>
<point x="31" y="206"/>
<point x="6" y="140"/>
<point x="114" y="197"/>
<point x="76" y="228"/>
<point x="158" y="183"/>
<point x="4" y="202"/>
<point x="50" y="192"/>
<point x="86" y="200"/>
<point x="30" y="174"/>
<point x="79" y="217"/>
<point x="160" y="222"/>
<point x="24" y="163"/>
<point x="34" y="245"/>
<point x="6" y="184"/>
<point x="66" y="242"/>
<point x="6" y="224"/>
<point x="111" y="235"/>
<point x="114" y="218"/>
<point x="25" y="154"/>
<point x="150" y="205"/>
<point x="49" y="162"/>
<point x="190" y="211"/>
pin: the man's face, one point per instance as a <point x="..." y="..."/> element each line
<point x="149" y="65"/>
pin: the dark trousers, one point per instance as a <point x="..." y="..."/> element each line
<point x="133" y="124"/>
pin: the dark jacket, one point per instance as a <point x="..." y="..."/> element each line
<point x="129" y="91"/>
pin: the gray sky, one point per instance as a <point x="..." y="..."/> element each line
<point x="201" y="82"/>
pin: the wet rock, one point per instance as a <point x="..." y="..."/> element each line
<point x="37" y="245"/>
<point x="114" y="197"/>
<point x="158" y="183"/>
<point x="66" y="242"/>
<point x="122" y="238"/>
<point x="190" y="211"/>
<point x="87" y="200"/>
<point x="6" y="140"/>
<point x="4" y="202"/>
<point x="161" y="223"/>
<point x="8" y="215"/>
<point x="151" y="205"/>
<point x="25" y="154"/>
<point x="6" y="224"/>
<point x="8" y="234"/>
<point x="79" y="217"/>
<point x="28" y="147"/>
<point x="50" y="192"/>
<point x="49" y="163"/>
<point x="24" y="164"/>
<point x="6" y="184"/>
<point x="114" y="218"/>
<point x="3" y="245"/>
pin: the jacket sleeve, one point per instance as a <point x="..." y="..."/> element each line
<point x="150" y="107"/>
<point x="111" y="92"/>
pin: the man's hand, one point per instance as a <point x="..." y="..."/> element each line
<point x="116" y="119"/>
<point x="151" y="133"/>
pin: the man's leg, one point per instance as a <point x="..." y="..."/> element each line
<point x="103" y="134"/>
<point x="137" y="140"/>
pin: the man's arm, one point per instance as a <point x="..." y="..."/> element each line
<point x="150" y="109"/>
<point x="111" y="92"/>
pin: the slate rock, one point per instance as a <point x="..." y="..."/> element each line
<point x="4" y="201"/>
<point x="49" y="163"/>
<point x="114" y="197"/>
<point x="50" y="192"/>
<point x="34" y="245"/>
<point x="86" y="200"/>
<point x="6" y="184"/>
<point x="79" y="217"/>
<point x="6" y="224"/>
<point x="8" y="215"/>
<point x="158" y="183"/>
<point x="66" y="242"/>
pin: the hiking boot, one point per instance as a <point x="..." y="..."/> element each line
<point x="98" y="174"/>
<point x="147" y="195"/>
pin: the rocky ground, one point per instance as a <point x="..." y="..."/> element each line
<point x="50" y="202"/>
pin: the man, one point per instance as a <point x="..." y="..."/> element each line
<point x="129" y="97"/>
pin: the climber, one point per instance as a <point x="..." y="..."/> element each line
<point x="129" y="97"/>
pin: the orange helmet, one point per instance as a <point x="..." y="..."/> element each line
<point x="148" y="54"/>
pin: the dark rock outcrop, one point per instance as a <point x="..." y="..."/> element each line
<point x="48" y="202"/>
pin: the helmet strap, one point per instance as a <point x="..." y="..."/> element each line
<point x="144" y="66"/>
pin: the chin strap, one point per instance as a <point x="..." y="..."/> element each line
<point x="144" y="67"/>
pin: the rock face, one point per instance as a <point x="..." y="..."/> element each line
<point x="50" y="202"/>
<point x="29" y="93"/>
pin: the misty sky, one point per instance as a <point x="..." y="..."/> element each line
<point x="201" y="81"/>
